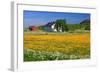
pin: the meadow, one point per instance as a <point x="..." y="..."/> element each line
<point x="54" y="46"/>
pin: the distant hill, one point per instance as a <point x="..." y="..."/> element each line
<point x="85" y="24"/>
<point x="87" y="21"/>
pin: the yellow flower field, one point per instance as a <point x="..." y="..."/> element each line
<point x="77" y="45"/>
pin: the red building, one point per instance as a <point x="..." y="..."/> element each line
<point x="33" y="28"/>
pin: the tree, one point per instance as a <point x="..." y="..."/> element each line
<point x="65" y="28"/>
<point x="87" y="27"/>
<point x="61" y="25"/>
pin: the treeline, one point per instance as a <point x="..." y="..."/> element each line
<point x="73" y="27"/>
<point x="62" y="24"/>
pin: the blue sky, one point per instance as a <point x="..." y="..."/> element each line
<point x="37" y="18"/>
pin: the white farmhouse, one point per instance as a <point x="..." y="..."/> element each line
<point x="50" y="27"/>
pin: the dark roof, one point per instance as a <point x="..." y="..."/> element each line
<point x="50" y="24"/>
